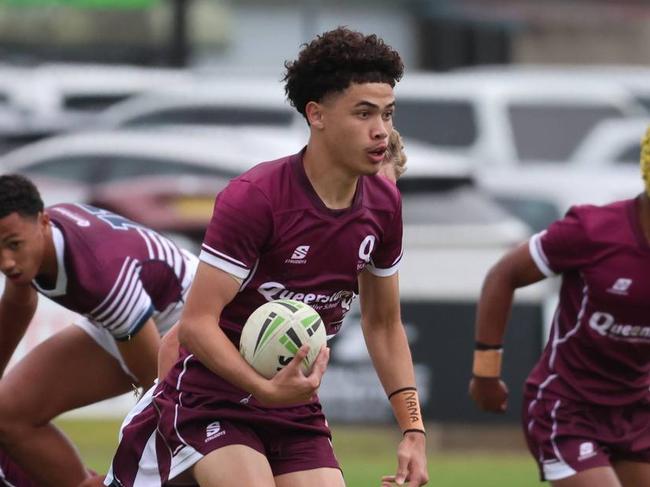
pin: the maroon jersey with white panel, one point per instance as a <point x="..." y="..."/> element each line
<point x="270" y="228"/>
<point x="599" y="347"/>
<point x="116" y="273"/>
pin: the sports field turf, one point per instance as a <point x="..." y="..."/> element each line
<point x="365" y="454"/>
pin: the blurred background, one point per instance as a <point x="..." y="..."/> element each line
<point x="511" y="111"/>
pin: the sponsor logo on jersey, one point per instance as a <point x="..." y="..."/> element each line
<point x="213" y="431"/>
<point x="605" y="324"/>
<point x="586" y="450"/>
<point x="621" y="286"/>
<point x="320" y="302"/>
<point x="298" y="256"/>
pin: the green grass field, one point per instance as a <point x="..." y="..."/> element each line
<point x="365" y="454"/>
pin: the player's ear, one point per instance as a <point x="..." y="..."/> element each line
<point x="43" y="218"/>
<point x="314" y="112"/>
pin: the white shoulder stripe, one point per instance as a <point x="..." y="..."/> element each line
<point x="224" y="265"/>
<point x="384" y="272"/>
<point x="223" y="256"/>
<point x="145" y="237"/>
<point x="127" y="321"/>
<point x="538" y="255"/>
<point x="114" y="288"/>
<point x="126" y="305"/>
<point x="121" y="288"/>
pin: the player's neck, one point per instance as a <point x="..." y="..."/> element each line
<point x="49" y="266"/>
<point x="333" y="184"/>
<point x="644" y="215"/>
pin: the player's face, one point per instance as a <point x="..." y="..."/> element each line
<point x="22" y="244"/>
<point x="356" y="125"/>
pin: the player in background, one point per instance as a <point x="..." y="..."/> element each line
<point x="317" y="226"/>
<point x="394" y="164"/>
<point x="127" y="281"/>
<point x="586" y="413"/>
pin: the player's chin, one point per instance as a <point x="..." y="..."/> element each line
<point x="369" y="169"/>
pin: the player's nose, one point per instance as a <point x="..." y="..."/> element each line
<point x="7" y="262"/>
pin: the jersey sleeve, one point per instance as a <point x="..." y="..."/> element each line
<point x="240" y="226"/>
<point x="563" y="246"/>
<point x="385" y="259"/>
<point x="127" y="306"/>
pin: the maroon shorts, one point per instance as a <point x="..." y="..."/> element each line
<point x="169" y="432"/>
<point x="566" y="437"/>
<point x="11" y="475"/>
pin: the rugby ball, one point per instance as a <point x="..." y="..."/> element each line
<point x="275" y="331"/>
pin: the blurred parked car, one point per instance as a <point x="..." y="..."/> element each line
<point x="92" y="158"/>
<point x="53" y="98"/>
<point x="612" y="142"/>
<point x="216" y="102"/>
<point x="505" y="119"/>
<point x="179" y="206"/>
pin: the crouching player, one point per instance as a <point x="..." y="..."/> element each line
<point x="317" y="226"/>
<point x="126" y="280"/>
<point x="586" y="412"/>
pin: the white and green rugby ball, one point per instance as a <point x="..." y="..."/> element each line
<point x="276" y="330"/>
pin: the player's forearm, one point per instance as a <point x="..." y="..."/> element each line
<point x="389" y="350"/>
<point x="14" y="320"/>
<point x="493" y="309"/>
<point x="210" y="345"/>
<point x="391" y="356"/>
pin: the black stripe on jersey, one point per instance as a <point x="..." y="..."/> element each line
<point x="292" y="308"/>
<point x="266" y="324"/>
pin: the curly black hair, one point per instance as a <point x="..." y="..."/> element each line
<point x="18" y="194"/>
<point x="334" y="60"/>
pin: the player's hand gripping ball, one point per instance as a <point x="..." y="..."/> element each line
<point x="276" y="330"/>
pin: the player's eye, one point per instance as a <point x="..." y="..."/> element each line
<point x="15" y="245"/>
<point x="388" y="115"/>
<point x="364" y="114"/>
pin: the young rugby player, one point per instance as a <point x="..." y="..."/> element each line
<point x="127" y="281"/>
<point x="214" y="420"/>
<point x="586" y="412"/>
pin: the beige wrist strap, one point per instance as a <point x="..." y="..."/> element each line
<point x="487" y="363"/>
<point x="406" y="407"/>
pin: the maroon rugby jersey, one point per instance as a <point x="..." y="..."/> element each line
<point x="270" y="228"/>
<point x="113" y="271"/>
<point x="599" y="347"/>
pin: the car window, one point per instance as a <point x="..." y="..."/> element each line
<point x="128" y="167"/>
<point x="77" y="168"/>
<point x="459" y="206"/>
<point x="629" y="155"/>
<point x="92" y="103"/>
<point x="552" y="132"/>
<point x="202" y="115"/>
<point x="537" y="213"/>
<point x="645" y="101"/>
<point x="446" y="123"/>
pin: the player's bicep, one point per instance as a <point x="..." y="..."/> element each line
<point x="379" y="299"/>
<point x="520" y="267"/>
<point x="212" y="289"/>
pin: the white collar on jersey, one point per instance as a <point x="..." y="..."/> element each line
<point x="61" y="276"/>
